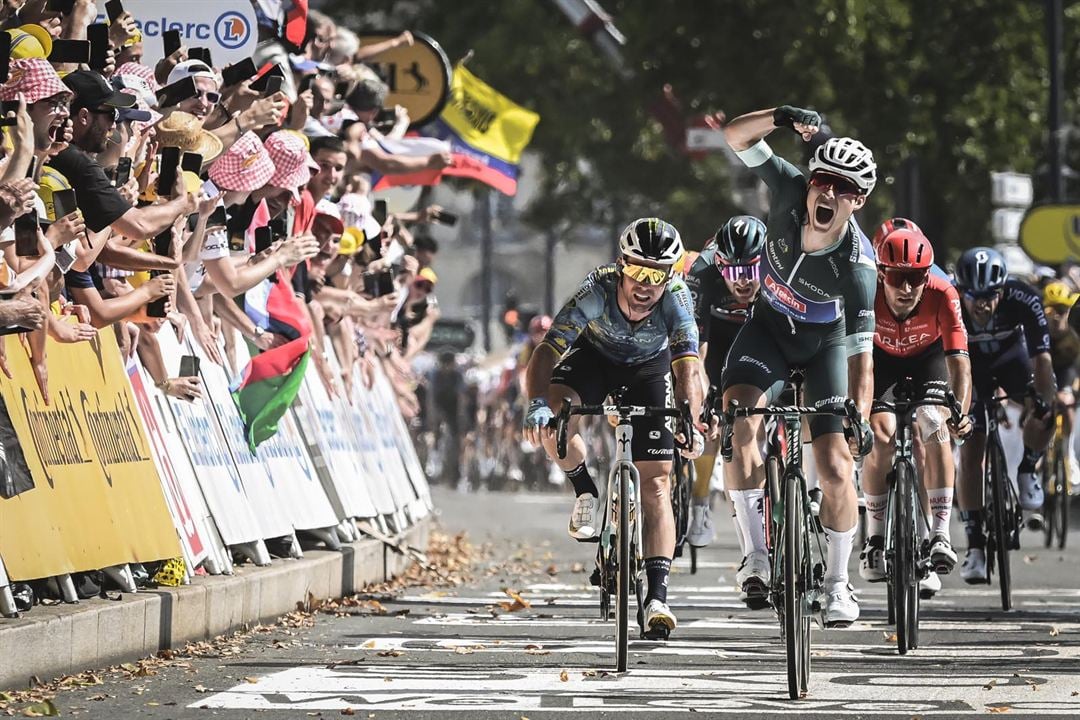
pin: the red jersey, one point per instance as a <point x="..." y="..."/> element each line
<point x="936" y="316"/>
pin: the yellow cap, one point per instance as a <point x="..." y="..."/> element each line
<point x="52" y="180"/>
<point x="351" y="241"/>
<point x="428" y="274"/>
<point x="1059" y="294"/>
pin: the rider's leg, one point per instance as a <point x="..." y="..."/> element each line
<point x="574" y="462"/>
<point x="969" y="488"/>
<point x="658" y="530"/>
<point x="703" y="470"/>
<point x="875" y="468"/>
<point x="840" y="506"/>
<point x="938" y="470"/>
<point x="744" y="476"/>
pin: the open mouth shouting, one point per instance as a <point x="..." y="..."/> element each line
<point x="824" y="212"/>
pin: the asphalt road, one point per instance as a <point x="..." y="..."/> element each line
<point x="455" y="653"/>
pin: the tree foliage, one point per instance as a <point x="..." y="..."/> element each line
<point x="959" y="87"/>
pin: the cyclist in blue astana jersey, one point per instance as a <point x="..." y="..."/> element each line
<point x="816" y="311"/>
<point x="631" y="324"/>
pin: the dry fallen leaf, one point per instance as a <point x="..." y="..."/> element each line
<point x="990" y="685"/>
<point x="251" y="680"/>
<point x="564" y="676"/>
<point x="391" y="653"/>
<point x="999" y="709"/>
<point x="348" y="711"/>
<point x="890" y="638"/>
<point x="41" y="709"/>
<point x="519" y="603"/>
<point x="462" y="650"/>
<point x="199" y="689"/>
<point x="1054" y="632"/>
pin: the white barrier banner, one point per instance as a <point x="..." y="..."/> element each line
<point x="185" y="502"/>
<point x="405" y="447"/>
<point x="323" y="429"/>
<point x="272" y="512"/>
<point x="210" y="457"/>
<point x="292" y="473"/>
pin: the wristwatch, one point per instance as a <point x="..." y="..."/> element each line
<point x="259" y="332"/>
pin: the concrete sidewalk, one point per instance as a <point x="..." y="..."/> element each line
<point x="64" y="639"/>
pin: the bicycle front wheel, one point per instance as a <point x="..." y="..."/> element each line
<point x="796" y="626"/>
<point x="1049" y="509"/>
<point x="624" y="571"/>
<point x="905" y="585"/>
<point x="1002" y="512"/>
<point x="1061" y="493"/>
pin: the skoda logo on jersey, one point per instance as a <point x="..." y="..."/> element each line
<point x="232" y="30"/>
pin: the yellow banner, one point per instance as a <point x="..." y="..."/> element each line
<point x="486" y="119"/>
<point x="97" y="500"/>
<point x="1050" y="234"/>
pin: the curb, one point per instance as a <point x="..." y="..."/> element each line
<point x="65" y="639"/>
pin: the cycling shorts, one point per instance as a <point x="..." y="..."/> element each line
<point x="927" y="370"/>
<point x="1067" y="377"/>
<point x="722" y="334"/>
<point x="764" y="353"/>
<point x="593" y="376"/>
<point x="1011" y="372"/>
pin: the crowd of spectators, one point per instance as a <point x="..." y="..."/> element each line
<point x="99" y="227"/>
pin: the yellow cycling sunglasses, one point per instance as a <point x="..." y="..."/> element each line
<point x="646" y="275"/>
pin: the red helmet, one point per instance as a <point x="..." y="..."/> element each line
<point x="905" y="248"/>
<point x="888" y="226"/>
<point x="540" y="323"/>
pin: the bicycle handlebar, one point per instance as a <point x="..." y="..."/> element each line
<point x="562" y="420"/>
<point x="849" y="411"/>
<point x="898" y="407"/>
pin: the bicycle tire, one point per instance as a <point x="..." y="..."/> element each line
<point x="622" y="601"/>
<point x="774" y="535"/>
<point x="794" y="585"/>
<point x="1049" y="509"/>
<point x="902" y="568"/>
<point x="1061" y="491"/>
<point x="998" y="478"/>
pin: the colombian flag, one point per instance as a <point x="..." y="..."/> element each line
<point x="486" y="133"/>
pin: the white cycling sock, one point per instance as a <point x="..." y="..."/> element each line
<point x="838" y="554"/>
<point x="940" y="510"/>
<point x="750" y="514"/>
<point x="875" y="513"/>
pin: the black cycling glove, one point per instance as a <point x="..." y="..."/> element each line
<point x="788" y="115"/>
<point x="863" y="434"/>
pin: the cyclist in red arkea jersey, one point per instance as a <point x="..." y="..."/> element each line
<point x="919" y="334"/>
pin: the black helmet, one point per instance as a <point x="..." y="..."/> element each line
<point x="740" y="241"/>
<point x="981" y="269"/>
<point x="652" y="240"/>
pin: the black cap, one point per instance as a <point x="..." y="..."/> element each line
<point x="94" y="91"/>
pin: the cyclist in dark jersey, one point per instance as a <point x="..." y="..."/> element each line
<point x="724" y="283"/>
<point x="919" y="335"/>
<point x="815" y="310"/>
<point x="630" y="324"/>
<point x="1009" y="344"/>
<point x="1062" y="319"/>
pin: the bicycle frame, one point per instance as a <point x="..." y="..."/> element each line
<point x="624" y="436"/>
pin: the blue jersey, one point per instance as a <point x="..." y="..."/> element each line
<point x="594" y="311"/>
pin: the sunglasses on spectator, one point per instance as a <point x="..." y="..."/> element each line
<point x="737" y="273"/>
<point x="646" y="275"/>
<point x="425" y="285"/>
<point x="106" y="111"/>
<point x="840" y="185"/>
<point x="898" y="277"/>
<point x="212" y="96"/>
<point x="982" y="295"/>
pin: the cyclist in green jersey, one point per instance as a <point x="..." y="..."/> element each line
<point x="815" y="311"/>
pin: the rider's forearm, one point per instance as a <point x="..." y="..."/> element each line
<point x="960" y="379"/>
<point x="688" y="383"/>
<point x="538" y="373"/>
<point x="861" y="381"/>
<point x="1045" y="384"/>
<point x="746" y="130"/>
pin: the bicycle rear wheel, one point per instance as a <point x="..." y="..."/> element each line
<point x="1000" y="525"/>
<point x="622" y="601"/>
<point x="796" y="626"/>
<point x="1061" y="492"/>
<point x="1049" y="509"/>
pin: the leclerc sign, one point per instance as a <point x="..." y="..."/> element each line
<point x="228" y="27"/>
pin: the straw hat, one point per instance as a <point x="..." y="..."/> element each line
<point x="184" y="130"/>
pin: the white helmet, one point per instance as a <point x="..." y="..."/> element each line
<point x="652" y="240"/>
<point x="847" y="158"/>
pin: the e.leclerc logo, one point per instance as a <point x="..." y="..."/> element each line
<point x="232" y="30"/>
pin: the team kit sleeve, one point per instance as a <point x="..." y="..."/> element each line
<point x="859" y="310"/>
<point x="586" y="305"/>
<point x="682" y="329"/>
<point x="951" y="323"/>
<point x="774" y="171"/>
<point x="701" y="292"/>
<point x="1033" y="319"/>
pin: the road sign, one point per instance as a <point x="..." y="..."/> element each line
<point x="418" y="75"/>
<point x="702" y="139"/>
<point x="1005" y="224"/>
<point x="451" y="335"/>
<point x="1051" y="233"/>
<point x="1009" y="189"/>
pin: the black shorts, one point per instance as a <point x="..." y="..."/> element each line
<point x="764" y="353"/>
<point x="1010" y="371"/>
<point x="1066" y="377"/>
<point x="722" y="334"/>
<point x="927" y="370"/>
<point x="593" y="376"/>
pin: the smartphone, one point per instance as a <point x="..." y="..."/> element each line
<point x="171" y="38"/>
<point x="8" y="106"/>
<point x="378" y="284"/>
<point x="273" y="85"/>
<point x="156" y="308"/>
<point x="278" y="228"/>
<point x="305" y="83"/>
<point x="26" y="235"/>
<point x="114" y="9"/>
<point x="98" y="35"/>
<point x="217" y="218"/>
<point x="385" y="119"/>
<point x="70" y="51"/>
<point x="191" y="162"/>
<point x="445" y="218"/>
<point x="64" y="203"/>
<point x="341" y="88"/>
<point x="32" y="170"/>
<point x="260" y="83"/>
<point x="5" y="57"/>
<point x="238" y="72"/>
<point x="167" y="167"/>
<point x="176" y="92"/>
<point x="123" y="172"/>
<point x="189" y="365"/>
<point x="63" y="7"/>
<point x="378" y="212"/>
<point x="202" y="54"/>
<point x="264" y="238"/>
